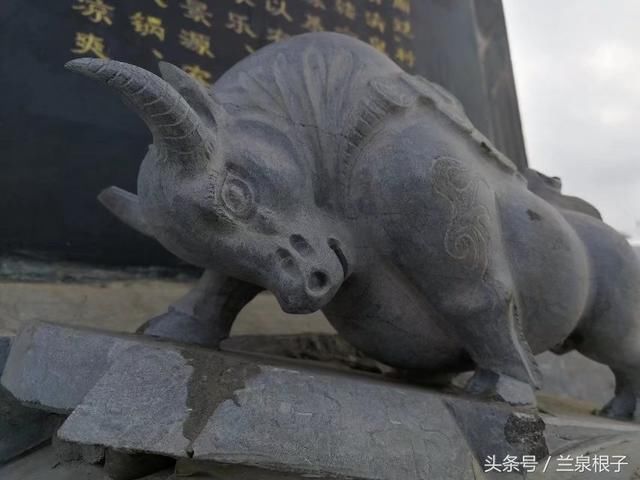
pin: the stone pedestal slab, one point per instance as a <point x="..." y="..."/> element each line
<point x="246" y="416"/>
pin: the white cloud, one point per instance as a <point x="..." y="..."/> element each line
<point x="611" y="60"/>
<point x="577" y="69"/>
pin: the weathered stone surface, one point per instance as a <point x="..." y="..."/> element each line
<point x="21" y="428"/>
<point x="462" y="260"/>
<point x="222" y="408"/>
<point x="193" y="403"/>
<point x="52" y="367"/>
<point x="43" y="464"/>
<point x="260" y="415"/>
<point x="74" y="452"/>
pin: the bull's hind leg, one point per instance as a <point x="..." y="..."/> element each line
<point x="625" y="404"/>
<point x="609" y="332"/>
<point x="613" y="338"/>
<point x="204" y="316"/>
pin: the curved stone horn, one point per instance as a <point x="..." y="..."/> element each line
<point x="175" y="126"/>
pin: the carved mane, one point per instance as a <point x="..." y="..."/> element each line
<point x="310" y="100"/>
<point x="334" y="104"/>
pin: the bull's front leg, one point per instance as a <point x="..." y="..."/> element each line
<point x="205" y="315"/>
<point x="486" y="322"/>
<point x="472" y="286"/>
<point x="505" y="365"/>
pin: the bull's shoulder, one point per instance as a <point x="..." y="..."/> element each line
<point x="395" y="92"/>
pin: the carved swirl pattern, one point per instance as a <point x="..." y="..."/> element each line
<point x="467" y="234"/>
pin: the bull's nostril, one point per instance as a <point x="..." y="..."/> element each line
<point x="318" y="281"/>
<point x="287" y="262"/>
<point x="299" y="243"/>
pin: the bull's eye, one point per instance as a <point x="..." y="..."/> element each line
<point x="238" y="197"/>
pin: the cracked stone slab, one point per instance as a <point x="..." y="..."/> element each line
<point x="195" y="404"/>
<point x="53" y="367"/>
<point x="209" y="409"/>
<point x="191" y="403"/>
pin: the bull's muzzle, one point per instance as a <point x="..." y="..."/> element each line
<point x="307" y="277"/>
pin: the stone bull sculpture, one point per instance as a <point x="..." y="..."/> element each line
<point x="319" y="170"/>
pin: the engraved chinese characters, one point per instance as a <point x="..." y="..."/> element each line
<point x="197" y="34"/>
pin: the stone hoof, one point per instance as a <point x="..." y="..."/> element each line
<point x="179" y="327"/>
<point x="622" y="407"/>
<point x="501" y="387"/>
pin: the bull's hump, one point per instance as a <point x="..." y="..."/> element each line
<point x="295" y="52"/>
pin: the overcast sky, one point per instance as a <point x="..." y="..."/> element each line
<point x="577" y="68"/>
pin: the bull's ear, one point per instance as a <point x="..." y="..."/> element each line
<point x="126" y="206"/>
<point x="193" y="92"/>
